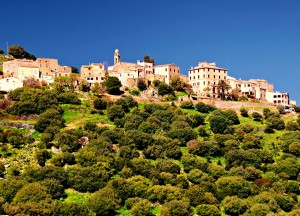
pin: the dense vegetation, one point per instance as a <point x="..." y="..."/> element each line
<point x="92" y="156"/>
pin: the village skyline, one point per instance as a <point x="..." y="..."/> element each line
<point x="251" y="39"/>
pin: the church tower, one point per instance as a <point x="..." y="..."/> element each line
<point x="117" y="57"/>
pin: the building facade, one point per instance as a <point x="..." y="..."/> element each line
<point x="205" y="77"/>
<point x="21" y="69"/>
<point x="93" y="73"/>
<point x="49" y="69"/>
<point x="168" y="71"/>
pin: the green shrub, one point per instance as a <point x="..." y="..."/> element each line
<point x="244" y="112"/>
<point x="204" y="108"/>
<point x="187" y="105"/>
<point x="256" y="116"/>
<point x="207" y="210"/>
<point x="100" y="104"/>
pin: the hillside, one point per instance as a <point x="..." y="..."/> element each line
<point x="90" y="156"/>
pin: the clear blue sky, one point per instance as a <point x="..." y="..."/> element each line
<point x="252" y="39"/>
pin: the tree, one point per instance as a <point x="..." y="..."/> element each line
<point x="223" y="86"/>
<point x="70" y="209"/>
<point x="19" y="52"/>
<point x="98" y="89"/>
<point x="74" y="69"/>
<point x="33" y="192"/>
<point x="147" y="59"/>
<point x="207" y="210"/>
<point x="164" y="89"/>
<point x="256" y="116"/>
<point x="234" y="206"/>
<point x="233" y="186"/>
<point x="115" y="112"/>
<point x="204" y="108"/>
<point x="54" y="188"/>
<point x="141" y="85"/>
<point x="176" y="208"/>
<point x="104" y="202"/>
<point x="100" y="104"/>
<point x="87" y="179"/>
<point x="244" y="112"/>
<point x="42" y="156"/>
<point x="9" y="188"/>
<point x="112" y="85"/>
<point x="177" y="84"/>
<point x="142" y="208"/>
<point x="51" y="118"/>
<point x="1" y="51"/>
<point x="187" y="105"/>
<point x="84" y="86"/>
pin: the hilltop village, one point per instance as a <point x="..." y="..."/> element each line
<point x="140" y="139"/>
<point x="206" y="80"/>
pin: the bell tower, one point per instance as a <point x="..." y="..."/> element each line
<point x="117" y="57"/>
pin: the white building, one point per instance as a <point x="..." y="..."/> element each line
<point x="10" y="83"/>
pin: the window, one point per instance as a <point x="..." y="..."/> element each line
<point x="208" y="76"/>
<point x="46" y="65"/>
<point x="203" y="75"/>
<point x="166" y="69"/>
<point x="203" y="82"/>
<point x="198" y="76"/>
<point x="40" y="65"/>
<point x="193" y="77"/>
<point x="214" y="76"/>
<point x="96" y="78"/>
<point x="219" y="77"/>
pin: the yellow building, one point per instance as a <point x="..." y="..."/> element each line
<point x="169" y="71"/>
<point x="253" y="88"/>
<point x="205" y="77"/>
<point x="21" y="69"/>
<point x="92" y="73"/>
<point x="49" y="69"/>
<point x="126" y="71"/>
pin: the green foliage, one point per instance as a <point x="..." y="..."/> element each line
<point x="187" y="105"/>
<point x="115" y="112"/>
<point x="141" y="85"/>
<point x="176" y="207"/>
<point x="233" y="186"/>
<point x="87" y="179"/>
<point x="142" y="208"/>
<point x="68" y="98"/>
<point x="244" y="112"/>
<point x="104" y="202"/>
<point x="204" y="108"/>
<point x="275" y="123"/>
<point x="112" y="85"/>
<point x="207" y="210"/>
<point x="51" y="118"/>
<point x="33" y="192"/>
<point x="41" y="156"/>
<point x="234" y="206"/>
<point x="9" y="188"/>
<point x="156" y="83"/>
<point x="69" y="209"/>
<point x="256" y="116"/>
<point x="164" y="89"/>
<point x="20" y="53"/>
<point x="177" y="84"/>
